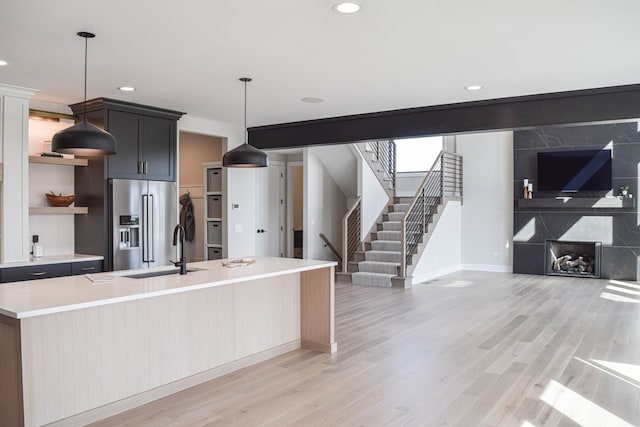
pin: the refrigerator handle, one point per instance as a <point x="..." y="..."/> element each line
<point x="145" y="228"/>
<point x="151" y="229"/>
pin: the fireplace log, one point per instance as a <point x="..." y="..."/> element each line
<point x="577" y="263"/>
<point x="559" y="262"/>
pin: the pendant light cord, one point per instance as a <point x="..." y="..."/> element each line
<point x="245" y="80"/>
<point x="245" y="112"/>
<point x="84" y="111"/>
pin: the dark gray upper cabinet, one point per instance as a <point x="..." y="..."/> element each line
<point x="156" y="142"/>
<point x="127" y="130"/>
<point x="145" y="137"/>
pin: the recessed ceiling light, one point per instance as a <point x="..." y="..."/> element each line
<point x="347" y="7"/>
<point x="312" y="100"/>
<point x="127" y="88"/>
<point x="3" y="63"/>
<point x="473" y="87"/>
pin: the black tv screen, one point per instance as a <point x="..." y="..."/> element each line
<point x="572" y="171"/>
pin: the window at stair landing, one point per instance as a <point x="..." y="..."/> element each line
<point x="417" y="154"/>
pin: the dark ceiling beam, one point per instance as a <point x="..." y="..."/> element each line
<point x="560" y="108"/>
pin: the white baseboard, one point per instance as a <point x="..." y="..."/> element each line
<point x="436" y="273"/>
<point x="488" y="267"/>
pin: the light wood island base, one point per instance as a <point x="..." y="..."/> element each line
<point x="82" y="365"/>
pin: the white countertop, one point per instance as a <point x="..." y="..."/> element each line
<point x="46" y="296"/>
<point x="55" y="259"/>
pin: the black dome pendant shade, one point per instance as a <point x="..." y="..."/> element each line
<point x="84" y="139"/>
<point x="245" y="155"/>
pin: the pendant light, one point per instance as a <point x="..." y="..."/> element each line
<point x="84" y="139"/>
<point x="245" y="155"/>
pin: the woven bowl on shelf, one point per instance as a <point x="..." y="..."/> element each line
<point x="60" y="201"/>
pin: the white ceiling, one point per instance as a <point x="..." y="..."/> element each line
<point x="189" y="55"/>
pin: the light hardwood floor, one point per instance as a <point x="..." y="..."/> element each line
<point x="468" y="349"/>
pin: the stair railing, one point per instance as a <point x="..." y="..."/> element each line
<point x="444" y="179"/>
<point x="351" y="233"/>
<point x="384" y="151"/>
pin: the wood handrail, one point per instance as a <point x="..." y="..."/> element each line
<point x="327" y="242"/>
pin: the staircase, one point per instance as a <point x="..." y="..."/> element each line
<point x="388" y="255"/>
<point x="379" y="264"/>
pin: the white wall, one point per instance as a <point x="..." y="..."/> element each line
<point x="374" y="197"/>
<point x="239" y="188"/>
<point x="487" y="211"/>
<point x="407" y="183"/>
<point x="340" y="162"/>
<point x="443" y="253"/>
<point x="325" y="205"/>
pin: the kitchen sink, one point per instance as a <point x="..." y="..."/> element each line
<point x="159" y="273"/>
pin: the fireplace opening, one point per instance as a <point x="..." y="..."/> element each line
<point x="578" y="259"/>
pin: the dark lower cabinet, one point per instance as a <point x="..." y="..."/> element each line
<point x="86" y="267"/>
<point x="47" y="271"/>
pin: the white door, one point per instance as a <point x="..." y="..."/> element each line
<point x="270" y="210"/>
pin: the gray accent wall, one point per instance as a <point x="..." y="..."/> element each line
<point x="616" y="228"/>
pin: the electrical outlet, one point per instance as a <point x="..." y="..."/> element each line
<point x="238" y="228"/>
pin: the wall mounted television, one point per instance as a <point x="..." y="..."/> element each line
<point x="573" y="171"/>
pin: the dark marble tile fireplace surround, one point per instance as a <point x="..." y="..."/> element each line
<point x="581" y="217"/>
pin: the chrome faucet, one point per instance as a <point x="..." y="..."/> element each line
<point x="182" y="263"/>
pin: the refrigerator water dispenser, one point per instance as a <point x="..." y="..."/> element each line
<point x="129" y="232"/>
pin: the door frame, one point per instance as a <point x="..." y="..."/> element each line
<point x="289" y="202"/>
<point x="282" y="180"/>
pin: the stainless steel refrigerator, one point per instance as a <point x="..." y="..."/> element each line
<point x="144" y="214"/>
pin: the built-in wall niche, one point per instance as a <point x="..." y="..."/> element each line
<point x="55" y="230"/>
<point x="196" y="150"/>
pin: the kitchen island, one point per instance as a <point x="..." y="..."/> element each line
<point x="75" y="351"/>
